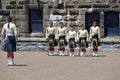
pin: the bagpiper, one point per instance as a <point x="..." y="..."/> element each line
<point x="82" y="36"/>
<point x="10" y="31"/>
<point x="51" y="38"/>
<point x="72" y="40"/>
<point x="62" y="34"/>
<point x="95" y="38"/>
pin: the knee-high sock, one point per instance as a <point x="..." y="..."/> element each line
<point x="61" y="50"/>
<point x="10" y="57"/>
<point x="51" y="50"/>
<point x="95" y="49"/>
<point x="82" y="52"/>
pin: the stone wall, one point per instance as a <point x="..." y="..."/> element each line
<point x="75" y="8"/>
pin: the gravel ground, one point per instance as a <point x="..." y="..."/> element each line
<point x="37" y="65"/>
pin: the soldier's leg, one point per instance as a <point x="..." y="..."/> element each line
<point x="61" y="47"/>
<point x="95" y="47"/>
<point x="10" y="57"/>
<point x="51" y="50"/>
<point x="83" y="52"/>
<point x="95" y="51"/>
<point x="51" y="47"/>
<point x="83" y="47"/>
<point x="71" y="52"/>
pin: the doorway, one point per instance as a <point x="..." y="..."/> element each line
<point x="35" y="20"/>
<point x="111" y="20"/>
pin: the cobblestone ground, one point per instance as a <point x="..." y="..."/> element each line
<point x="37" y="65"/>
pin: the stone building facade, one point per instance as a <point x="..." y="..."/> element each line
<point x="32" y="16"/>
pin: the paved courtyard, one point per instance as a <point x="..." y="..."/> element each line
<point x="37" y="65"/>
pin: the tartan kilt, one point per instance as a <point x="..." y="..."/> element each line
<point x="63" y="37"/>
<point x="80" y="39"/>
<point x="10" y="44"/>
<point x="52" y="37"/>
<point x="72" y="39"/>
<point x="96" y="37"/>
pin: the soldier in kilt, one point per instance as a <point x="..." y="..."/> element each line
<point x="82" y="36"/>
<point x="62" y="34"/>
<point x="72" y="40"/>
<point x="10" y="32"/>
<point x="51" y="38"/>
<point x="95" y="38"/>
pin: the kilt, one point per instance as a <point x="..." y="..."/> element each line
<point x="63" y="37"/>
<point x="10" y="44"/>
<point x="96" y="37"/>
<point x="82" y="38"/>
<point x="52" y="37"/>
<point x="72" y="39"/>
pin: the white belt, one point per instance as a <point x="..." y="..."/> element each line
<point x="9" y="34"/>
<point x="71" y="37"/>
<point x="61" y="34"/>
<point x="82" y="36"/>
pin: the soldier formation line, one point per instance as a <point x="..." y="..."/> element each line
<point x="63" y="38"/>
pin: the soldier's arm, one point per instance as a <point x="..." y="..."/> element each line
<point x="67" y="37"/>
<point x="65" y="33"/>
<point x="90" y="33"/>
<point x="56" y="33"/>
<point x="87" y="36"/>
<point x="77" y="36"/>
<point x="15" y="32"/>
<point x="99" y="33"/>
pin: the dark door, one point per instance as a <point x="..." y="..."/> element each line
<point x="111" y="20"/>
<point x="35" y="20"/>
<point x="90" y="18"/>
